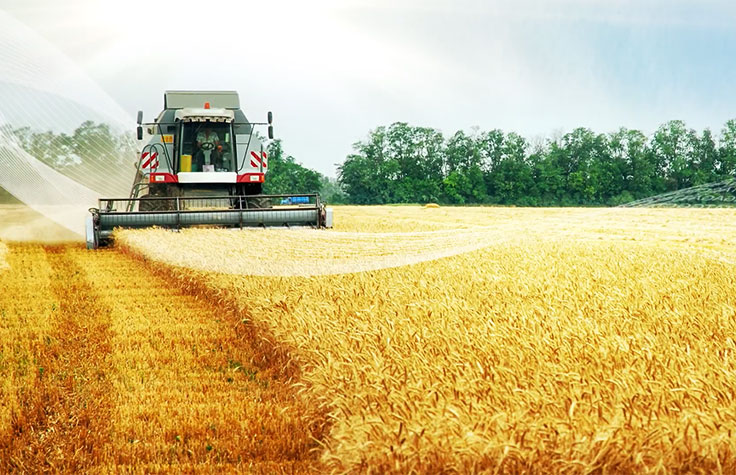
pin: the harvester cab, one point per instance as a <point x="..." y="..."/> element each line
<point x="203" y="164"/>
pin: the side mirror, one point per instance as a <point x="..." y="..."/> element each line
<point x="139" y="132"/>
<point x="140" y="118"/>
<point x="270" y="117"/>
<point x="270" y="132"/>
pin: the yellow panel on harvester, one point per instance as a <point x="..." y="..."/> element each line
<point x="186" y="163"/>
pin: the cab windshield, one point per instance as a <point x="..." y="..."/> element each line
<point x="206" y="147"/>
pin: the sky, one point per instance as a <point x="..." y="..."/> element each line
<point x="332" y="70"/>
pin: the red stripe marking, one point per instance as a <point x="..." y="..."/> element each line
<point x="255" y="155"/>
<point x="148" y="162"/>
<point x="253" y="164"/>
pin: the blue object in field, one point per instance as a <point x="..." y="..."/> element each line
<point x="295" y="200"/>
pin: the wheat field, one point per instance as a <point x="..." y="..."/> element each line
<point x="106" y="366"/>
<point x="3" y="253"/>
<point x="406" y="340"/>
<point x="487" y="339"/>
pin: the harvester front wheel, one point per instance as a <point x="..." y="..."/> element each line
<point x="251" y="202"/>
<point x="249" y="196"/>
<point x="148" y="204"/>
<point x="258" y="202"/>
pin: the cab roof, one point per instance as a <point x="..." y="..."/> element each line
<point x="197" y="99"/>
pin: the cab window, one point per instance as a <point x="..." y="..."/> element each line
<point x="206" y="147"/>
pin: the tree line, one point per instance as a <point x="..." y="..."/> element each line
<point x="403" y="163"/>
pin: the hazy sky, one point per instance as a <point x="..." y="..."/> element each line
<point x="333" y="70"/>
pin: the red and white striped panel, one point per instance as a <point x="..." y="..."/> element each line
<point x="258" y="161"/>
<point x="255" y="160"/>
<point x="149" y="160"/>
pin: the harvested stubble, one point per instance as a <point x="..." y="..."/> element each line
<point x="106" y="366"/>
<point x="592" y="340"/>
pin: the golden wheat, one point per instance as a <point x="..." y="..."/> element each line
<point x="26" y="325"/>
<point x="566" y="340"/>
<point x="3" y="253"/>
<point x="106" y="366"/>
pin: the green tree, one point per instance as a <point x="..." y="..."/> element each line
<point x="454" y="187"/>
<point x="331" y="191"/>
<point x="465" y="182"/>
<point x="632" y="157"/>
<point x="395" y="164"/>
<point x="508" y="173"/>
<point x="359" y="178"/>
<point x="418" y="153"/>
<point x="672" y="148"/>
<point x="285" y="176"/>
<point x="726" y="163"/>
<point x="704" y="157"/>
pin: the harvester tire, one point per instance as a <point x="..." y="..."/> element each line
<point x="257" y="202"/>
<point x="250" y="202"/>
<point x="250" y="195"/>
<point x="147" y="204"/>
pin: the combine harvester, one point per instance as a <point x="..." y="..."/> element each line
<point x="203" y="166"/>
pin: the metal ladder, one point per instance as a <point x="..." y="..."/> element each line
<point x="141" y="179"/>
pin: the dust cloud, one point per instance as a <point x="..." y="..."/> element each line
<point x="44" y="98"/>
<point x="18" y="222"/>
